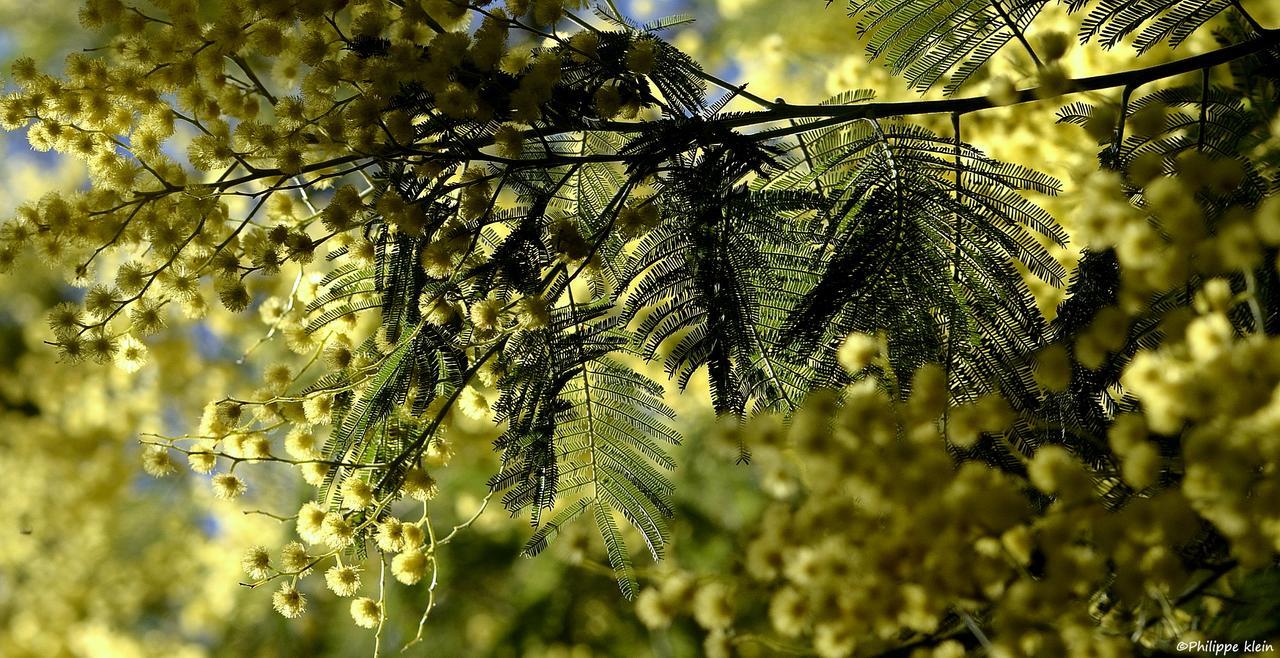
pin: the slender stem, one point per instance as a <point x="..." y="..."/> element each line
<point x="739" y="90"/>
<point x="829" y="115"/>
<point x="282" y="519"/>
<point x="1117" y="146"/>
<point x="1216" y="573"/>
<point x="1017" y="32"/>
<point x="769" y="643"/>
<point x="382" y="604"/>
<point x="809" y="162"/>
<point x="955" y="257"/>
<point x="1251" y="286"/>
<point x="976" y="630"/>
<point x="275" y="326"/>
<point x="1248" y="18"/>
<point x="484" y="504"/>
<point x="253" y="77"/>
<point x="1124" y="114"/>
<point x="1204" y="107"/>
<point x="431" y="588"/>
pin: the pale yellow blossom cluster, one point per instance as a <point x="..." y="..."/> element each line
<point x="232" y="150"/>
<point x="212" y="134"/>
<point x="881" y="540"/>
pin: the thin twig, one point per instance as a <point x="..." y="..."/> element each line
<point x="1017" y="32"/>
<point x="1248" y="18"/>
<point x="382" y="603"/>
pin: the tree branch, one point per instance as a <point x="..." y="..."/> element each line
<point x="828" y="115"/>
<point x="1017" y="32"/>
<point x="244" y="66"/>
<point x="1131" y="78"/>
<point x="1248" y="18"/>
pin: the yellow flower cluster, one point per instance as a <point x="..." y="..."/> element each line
<point x="1170" y="239"/>
<point x="271" y="103"/>
<point x="1217" y="393"/>
<point x="879" y="539"/>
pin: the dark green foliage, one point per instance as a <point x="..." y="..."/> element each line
<point x="1080" y="415"/>
<point x="582" y="425"/>
<point x="1259" y="615"/>
<point x="709" y="277"/>
<point x="1219" y="122"/>
<point x="758" y="253"/>
<point x="767" y="251"/>
<point x="1257" y="79"/>
<point x="910" y="249"/>
<point x="925" y="41"/>
<point x="1213" y="120"/>
<point x="1153" y="22"/>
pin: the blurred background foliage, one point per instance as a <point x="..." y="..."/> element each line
<point x="96" y="559"/>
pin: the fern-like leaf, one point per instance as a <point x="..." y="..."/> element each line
<point x="1153" y="21"/>
<point x="926" y="40"/>
<point x="920" y="233"/>
<point x="585" y="430"/>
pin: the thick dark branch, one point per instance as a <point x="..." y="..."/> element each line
<point x="1132" y="78"/>
<point x="828" y="115"/>
<point x="1253" y="22"/>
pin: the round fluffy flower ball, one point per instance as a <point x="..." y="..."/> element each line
<point x="256" y="562"/>
<point x="1053" y="368"/>
<point x="419" y="485"/>
<point x="366" y="612"/>
<point x="294" y="559"/>
<point x="474" y="404"/>
<point x="653" y="609"/>
<point x="713" y="606"/>
<point x="227" y="486"/>
<point x="409" y="566"/>
<point x="486" y="314"/>
<point x="390" y="535"/>
<point x="132" y="355"/>
<point x="356" y="494"/>
<point x="412" y="535"/>
<point x="858" y="351"/>
<point x="157" y="462"/>
<point x="336" y="530"/>
<point x="202" y="461"/>
<point x="343" y="580"/>
<point x="288" y="601"/>
<point x="1053" y="470"/>
<point x="310" y="522"/>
